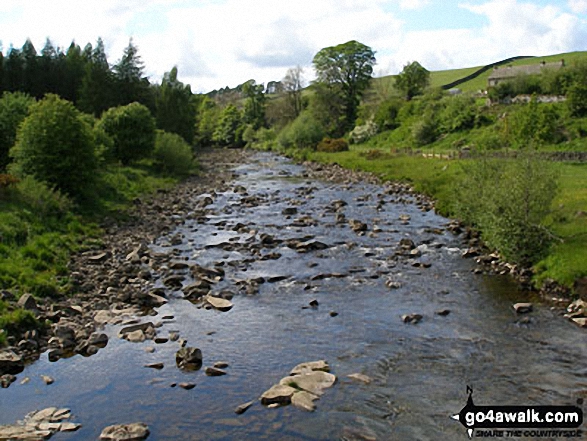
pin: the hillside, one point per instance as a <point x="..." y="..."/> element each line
<point x="442" y="77"/>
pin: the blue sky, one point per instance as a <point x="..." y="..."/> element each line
<point x="217" y="43"/>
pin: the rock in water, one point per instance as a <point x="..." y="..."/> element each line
<point x="243" y="408"/>
<point x="304" y="400"/>
<point x="219" y="303"/>
<point x="189" y="358"/>
<point x="320" y="365"/>
<point x="10" y="363"/>
<point x="125" y="432"/>
<point x="278" y="394"/>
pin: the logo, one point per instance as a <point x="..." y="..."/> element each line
<point x="520" y="421"/>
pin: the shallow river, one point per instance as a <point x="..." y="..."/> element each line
<point x="419" y="371"/>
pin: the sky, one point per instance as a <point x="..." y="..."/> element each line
<point x="218" y="43"/>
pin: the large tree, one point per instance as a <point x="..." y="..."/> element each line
<point x="175" y="107"/>
<point x="293" y="83"/>
<point x="412" y="80"/>
<point x="128" y="73"/>
<point x="346" y="68"/>
<point x="254" y="111"/>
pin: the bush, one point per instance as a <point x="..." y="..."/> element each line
<point x="534" y="123"/>
<point x="508" y="200"/>
<point x="56" y="146"/>
<point x="132" y="129"/>
<point x="364" y="132"/>
<point x="577" y="100"/>
<point x="329" y="145"/>
<point x="459" y="114"/>
<point x="424" y="130"/>
<point x="304" y="132"/>
<point x="386" y="116"/>
<point x="14" y="108"/>
<point x="42" y="200"/>
<point x="172" y="154"/>
<point x="229" y="128"/>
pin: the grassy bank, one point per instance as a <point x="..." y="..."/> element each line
<point x="40" y="229"/>
<point x="435" y="177"/>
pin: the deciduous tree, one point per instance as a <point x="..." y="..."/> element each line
<point x="412" y="80"/>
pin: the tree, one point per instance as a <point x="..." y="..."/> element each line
<point x="347" y="68"/>
<point x="293" y="83"/>
<point x="75" y="66"/>
<point x="128" y="73"/>
<point x="254" y="112"/>
<point x="56" y="145"/>
<point x="97" y="84"/>
<point x="229" y="128"/>
<point x="132" y="128"/>
<point x="14" y="108"/>
<point x="175" y="109"/>
<point x="412" y="80"/>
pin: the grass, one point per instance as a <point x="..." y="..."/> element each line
<point x="36" y="244"/>
<point x="440" y="78"/>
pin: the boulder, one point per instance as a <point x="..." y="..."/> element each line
<point x="10" y="363"/>
<point x="304" y="400"/>
<point x="278" y="394"/>
<point x="314" y="382"/>
<point x="125" y="432"/>
<point x="28" y="302"/>
<point x="189" y="358"/>
<point x="219" y="303"/>
<point x="523" y="308"/>
<point x="302" y="368"/>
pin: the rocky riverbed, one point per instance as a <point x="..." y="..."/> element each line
<point x="218" y="287"/>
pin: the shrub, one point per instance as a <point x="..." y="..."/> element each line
<point x="132" y="129"/>
<point x="458" y="114"/>
<point x="424" y="130"/>
<point x="364" y="132"/>
<point x="41" y="199"/>
<point x="172" y="154"/>
<point x="508" y="200"/>
<point x="14" y="108"/>
<point x="386" y="116"/>
<point x="55" y="145"/>
<point x="534" y="123"/>
<point x="304" y="132"/>
<point x="577" y="99"/>
<point x="330" y="145"/>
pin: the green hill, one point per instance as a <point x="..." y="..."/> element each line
<point x="443" y="77"/>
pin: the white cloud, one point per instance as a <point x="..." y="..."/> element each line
<point x="413" y="4"/>
<point x="578" y="6"/>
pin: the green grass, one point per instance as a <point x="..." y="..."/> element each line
<point x="36" y="244"/>
<point x="440" y="78"/>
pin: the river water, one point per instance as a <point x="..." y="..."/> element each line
<point x="419" y="371"/>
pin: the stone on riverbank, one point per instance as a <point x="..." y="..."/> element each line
<point x="39" y="425"/>
<point x="10" y="363"/>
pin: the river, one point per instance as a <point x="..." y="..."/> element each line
<point x="420" y="372"/>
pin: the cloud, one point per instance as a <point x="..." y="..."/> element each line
<point x="578" y="6"/>
<point x="413" y="4"/>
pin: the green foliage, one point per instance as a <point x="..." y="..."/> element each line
<point x="386" y="115"/>
<point x="329" y="145"/>
<point x="459" y="113"/>
<point x="254" y="111"/>
<point x="304" y="132"/>
<point x="44" y="201"/>
<point x="363" y="132"/>
<point x="176" y="109"/>
<point x="15" y="322"/>
<point x="577" y="99"/>
<point x="14" y="108"/>
<point x="412" y="80"/>
<point x="350" y="66"/>
<point x="173" y="155"/>
<point x="425" y="130"/>
<point x="207" y="118"/>
<point x="132" y="129"/>
<point x="509" y="200"/>
<point x="56" y="145"/>
<point x="533" y="124"/>
<point x="229" y="128"/>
